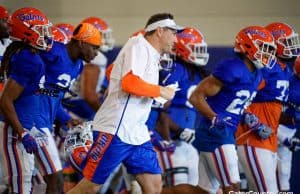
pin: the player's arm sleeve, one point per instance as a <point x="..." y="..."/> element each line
<point x="61" y="115"/>
<point x="135" y="85"/>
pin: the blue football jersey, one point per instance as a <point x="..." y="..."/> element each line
<point x="28" y="69"/>
<point x="239" y="89"/>
<point x="294" y="90"/>
<point x="181" y="111"/>
<point x="294" y="99"/>
<point x="61" y="71"/>
<point x="277" y="85"/>
<point x="186" y="84"/>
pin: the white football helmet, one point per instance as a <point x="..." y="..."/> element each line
<point x="77" y="143"/>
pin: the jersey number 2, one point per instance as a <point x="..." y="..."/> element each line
<point x="243" y="100"/>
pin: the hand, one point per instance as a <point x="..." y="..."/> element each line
<point x="264" y="131"/>
<point x="167" y="92"/>
<point x="219" y="122"/>
<point x="292" y="143"/>
<point x="29" y="143"/>
<point x="164" y="145"/>
<point x="252" y="121"/>
<point x="187" y="135"/>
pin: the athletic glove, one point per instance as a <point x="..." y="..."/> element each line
<point x="264" y="131"/>
<point x="164" y="145"/>
<point x="292" y="143"/>
<point x="29" y="143"/>
<point x="220" y="122"/>
<point x="161" y="144"/>
<point x="252" y="121"/>
<point x="187" y="135"/>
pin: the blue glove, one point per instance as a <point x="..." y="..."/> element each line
<point x="161" y="144"/>
<point x="164" y="145"/>
<point x="220" y="122"/>
<point x="252" y="121"/>
<point x="292" y="143"/>
<point x="29" y="143"/>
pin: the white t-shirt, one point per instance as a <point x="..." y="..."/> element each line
<point x="125" y="114"/>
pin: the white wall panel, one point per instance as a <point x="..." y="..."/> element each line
<point x="219" y="20"/>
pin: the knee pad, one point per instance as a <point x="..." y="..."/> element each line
<point x="177" y="175"/>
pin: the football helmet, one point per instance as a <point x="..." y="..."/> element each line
<point x="106" y="32"/>
<point x="77" y="143"/>
<point x="286" y="39"/>
<point x="191" y="46"/>
<point x="3" y="13"/>
<point x="31" y="26"/>
<point x="257" y="44"/>
<point x="68" y="29"/>
<point x="59" y="35"/>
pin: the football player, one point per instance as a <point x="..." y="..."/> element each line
<point x="258" y="151"/>
<point x="88" y="86"/>
<point x="288" y="48"/>
<point x="22" y="132"/>
<point x="64" y="63"/>
<point x="221" y="98"/>
<point x="4" y="36"/>
<point x="180" y="117"/>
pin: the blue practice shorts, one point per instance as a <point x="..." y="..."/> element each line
<point x="108" y="151"/>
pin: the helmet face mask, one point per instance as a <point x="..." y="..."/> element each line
<point x="199" y="55"/>
<point x="108" y="40"/>
<point x="45" y="35"/>
<point x="286" y="39"/>
<point x="265" y="55"/>
<point x="291" y="45"/>
<point x="257" y="44"/>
